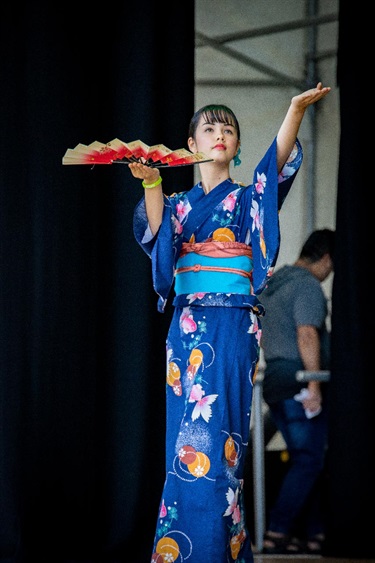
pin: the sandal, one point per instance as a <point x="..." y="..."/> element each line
<point x="314" y="545"/>
<point x="275" y="544"/>
<point x="295" y="546"/>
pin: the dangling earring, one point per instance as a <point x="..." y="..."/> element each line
<point x="236" y="158"/>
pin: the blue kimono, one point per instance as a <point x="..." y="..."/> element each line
<point x="218" y="249"/>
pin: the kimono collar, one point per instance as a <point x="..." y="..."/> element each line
<point x="204" y="204"/>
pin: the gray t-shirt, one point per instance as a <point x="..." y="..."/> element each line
<point x="292" y="297"/>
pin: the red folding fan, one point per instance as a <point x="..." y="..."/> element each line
<point x="118" y="152"/>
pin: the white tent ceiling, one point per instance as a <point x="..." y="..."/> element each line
<point x="269" y="43"/>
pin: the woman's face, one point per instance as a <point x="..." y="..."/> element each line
<point x="216" y="140"/>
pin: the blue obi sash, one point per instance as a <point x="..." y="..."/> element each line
<point x="214" y="267"/>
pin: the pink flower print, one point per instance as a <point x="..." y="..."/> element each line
<point x="193" y="296"/>
<point x="254" y="213"/>
<point x="258" y="335"/>
<point x="270" y="271"/>
<point x="229" y="202"/>
<point x="236" y="516"/>
<point x="261" y="183"/>
<point x="196" y="393"/>
<point x="203" y="405"/>
<point x="187" y="322"/>
<point x="254" y="326"/>
<point x="182" y="209"/>
<point x="177" y="226"/>
<point x="163" y="510"/>
<point x="233" y="508"/>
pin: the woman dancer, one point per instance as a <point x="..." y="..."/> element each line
<point x="218" y="242"/>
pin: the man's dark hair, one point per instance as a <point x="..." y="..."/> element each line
<point x="320" y="242"/>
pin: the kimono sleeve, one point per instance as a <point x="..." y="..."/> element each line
<point x="141" y="228"/>
<point x="161" y="248"/>
<point x="269" y="192"/>
<point x="289" y="172"/>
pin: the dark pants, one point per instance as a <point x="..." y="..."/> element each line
<point x="306" y="441"/>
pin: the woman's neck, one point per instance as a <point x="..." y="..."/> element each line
<point x="212" y="175"/>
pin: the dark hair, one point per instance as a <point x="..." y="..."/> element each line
<point x="320" y="242"/>
<point x="214" y="114"/>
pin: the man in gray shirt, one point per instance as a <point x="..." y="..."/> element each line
<point x="295" y="337"/>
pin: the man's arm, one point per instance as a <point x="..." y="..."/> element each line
<point x="308" y="342"/>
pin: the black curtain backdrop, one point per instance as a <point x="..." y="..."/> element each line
<point x="351" y="448"/>
<point x="82" y="345"/>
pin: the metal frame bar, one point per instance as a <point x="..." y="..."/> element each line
<point x="279" y="79"/>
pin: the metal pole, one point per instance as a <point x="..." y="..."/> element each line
<point x="258" y="462"/>
<point x="311" y="79"/>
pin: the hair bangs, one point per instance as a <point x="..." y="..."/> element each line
<point x="215" y="114"/>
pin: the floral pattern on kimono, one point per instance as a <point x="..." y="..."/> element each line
<point x="212" y="351"/>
